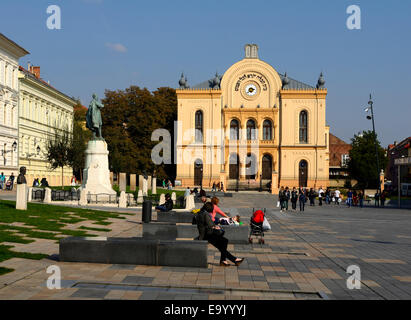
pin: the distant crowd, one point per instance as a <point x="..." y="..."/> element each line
<point x="303" y="195"/>
<point x="6" y="183"/>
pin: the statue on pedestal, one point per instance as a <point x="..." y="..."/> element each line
<point x="21" y="179"/>
<point x="93" y="117"/>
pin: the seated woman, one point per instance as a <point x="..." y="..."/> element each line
<point x="215" y="201"/>
<point x="212" y="233"/>
<point x="166" y="206"/>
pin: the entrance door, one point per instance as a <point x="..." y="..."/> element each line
<point x="198" y="173"/>
<point x="267" y="167"/>
<point x="303" y="174"/>
<point x="234" y="166"/>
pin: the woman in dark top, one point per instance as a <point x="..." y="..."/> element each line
<point x="210" y="232"/>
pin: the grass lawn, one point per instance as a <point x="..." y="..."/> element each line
<point x="42" y="221"/>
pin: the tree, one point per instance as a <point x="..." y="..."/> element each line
<point x="362" y="164"/>
<point x="129" y="118"/>
<point x="59" y="151"/>
<point x="81" y="135"/>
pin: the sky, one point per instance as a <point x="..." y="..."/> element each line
<point x="112" y="44"/>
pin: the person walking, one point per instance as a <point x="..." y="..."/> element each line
<point x="287" y="196"/>
<point x="214" y="235"/>
<point x="349" y="198"/>
<point x="377" y="199"/>
<point x="311" y="196"/>
<point x="320" y="196"/>
<point x="294" y="198"/>
<point x="337" y="194"/>
<point x="302" y="199"/>
<point x="328" y="196"/>
<point x="2" y="180"/>
<point x="383" y="197"/>
<point x="281" y="197"/>
<point x="361" y="199"/>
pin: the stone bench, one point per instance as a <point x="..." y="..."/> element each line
<point x="172" y="231"/>
<point x="137" y="251"/>
<point x="175" y="217"/>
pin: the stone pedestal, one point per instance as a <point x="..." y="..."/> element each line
<point x="154" y="186"/>
<point x="174" y="197"/>
<point x="145" y="191"/>
<point x="29" y="194"/>
<point x="47" y="195"/>
<point x="162" y="199"/>
<point x="122" y="202"/>
<point x="190" y="205"/>
<point x="96" y="173"/>
<point x="140" y="198"/>
<point x="133" y="182"/>
<point x="83" y="198"/>
<point x="149" y="182"/>
<point x="21" y="197"/>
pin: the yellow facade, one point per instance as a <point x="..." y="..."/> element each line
<point x="282" y="132"/>
<point x="42" y="111"/>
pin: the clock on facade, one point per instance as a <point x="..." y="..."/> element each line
<point x="251" y="90"/>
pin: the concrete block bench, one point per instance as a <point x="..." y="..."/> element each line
<point x="175" y="217"/>
<point x="137" y="251"/>
<point x="172" y="231"/>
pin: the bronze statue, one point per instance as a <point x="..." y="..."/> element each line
<point x="21" y="179"/>
<point x="93" y="118"/>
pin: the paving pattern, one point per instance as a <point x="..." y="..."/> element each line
<point x="305" y="256"/>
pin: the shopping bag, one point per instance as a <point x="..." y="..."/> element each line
<point x="266" y="225"/>
<point x="278" y="204"/>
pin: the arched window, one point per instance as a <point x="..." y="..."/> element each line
<point x="234" y="130"/>
<point x="303" y="127"/>
<point x="199" y="126"/>
<point x="251" y="131"/>
<point x="267" y="130"/>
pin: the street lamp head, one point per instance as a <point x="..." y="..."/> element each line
<point x="14" y="145"/>
<point x="369" y="117"/>
<point x="370" y="102"/>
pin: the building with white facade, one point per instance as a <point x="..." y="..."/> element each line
<point x="10" y="53"/>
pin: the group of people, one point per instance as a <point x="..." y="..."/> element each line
<point x="42" y="183"/>
<point x="167" y="184"/>
<point x="6" y="184"/>
<point x="209" y="228"/>
<point x="217" y="186"/>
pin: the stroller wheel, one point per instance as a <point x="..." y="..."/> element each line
<point x="250" y="240"/>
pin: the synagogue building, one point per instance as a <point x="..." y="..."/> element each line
<point x="252" y="128"/>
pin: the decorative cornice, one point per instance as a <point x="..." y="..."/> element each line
<point x="303" y="93"/>
<point x="198" y="93"/>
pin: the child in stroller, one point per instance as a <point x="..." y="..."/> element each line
<point x="8" y="185"/>
<point x="256" y="226"/>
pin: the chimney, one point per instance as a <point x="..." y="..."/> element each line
<point x="36" y="71"/>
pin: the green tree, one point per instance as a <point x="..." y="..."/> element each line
<point x="59" y="150"/>
<point x="129" y="118"/>
<point x="362" y="165"/>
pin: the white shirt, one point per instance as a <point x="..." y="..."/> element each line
<point x="187" y="193"/>
<point x="337" y="193"/>
<point x="319" y="192"/>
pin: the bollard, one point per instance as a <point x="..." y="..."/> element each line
<point x="146" y="216"/>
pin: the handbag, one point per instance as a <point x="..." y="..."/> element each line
<point x="266" y="225"/>
<point x="278" y="204"/>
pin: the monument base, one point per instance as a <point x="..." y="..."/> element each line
<point x="96" y="173"/>
<point x="21" y="197"/>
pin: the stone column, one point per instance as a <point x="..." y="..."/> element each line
<point x="47" y="195"/>
<point x="29" y="194"/>
<point x="145" y="187"/>
<point x="83" y="198"/>
<point x="162" y="198"/>
<point x="173" y="197"/>
<point x="190" y="205"/>
<point x="154" y="185"/>
<point x="133" y="182"/>
<point x="140" y="182"/>
<point x="122" y="202"/>
<point x="149" y="182"/>
<point x="140" y="198"/>
<point x="123" y="182"/>
<point x="21" y="197"/>
<point x="274" y="182"/>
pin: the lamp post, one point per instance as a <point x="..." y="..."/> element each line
<point x="371" y="117"/>
<point x="4" y="152"/>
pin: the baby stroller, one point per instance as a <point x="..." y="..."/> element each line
<point x="8" y="185"/>
<point x="256" y="226"/>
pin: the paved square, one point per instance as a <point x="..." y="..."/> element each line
<point x="305" y="256"/>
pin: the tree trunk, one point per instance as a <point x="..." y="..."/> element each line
<point x="62" y="177"/>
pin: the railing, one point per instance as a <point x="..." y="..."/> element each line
<point x="102" y="198"/>
<point x="38" y="194"/>
<point x="65" y="195"/>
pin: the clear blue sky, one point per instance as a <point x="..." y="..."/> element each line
<point x="107" y="44"/>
